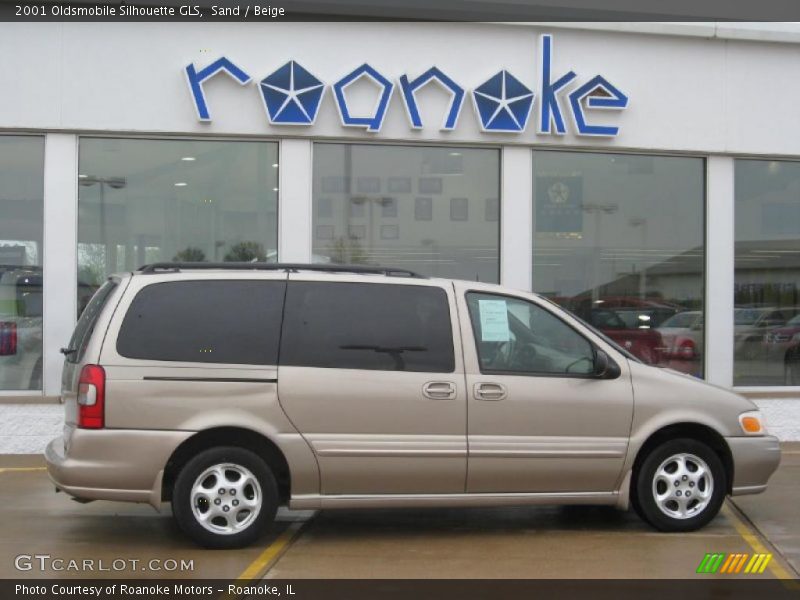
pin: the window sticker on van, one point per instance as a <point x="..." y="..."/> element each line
<point x="494" y="320"/>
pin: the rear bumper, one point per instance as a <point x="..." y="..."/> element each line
<point x="125" y="465"/>
<point x="755" y="459"/>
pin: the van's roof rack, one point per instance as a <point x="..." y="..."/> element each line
<point x="174" y="267"/>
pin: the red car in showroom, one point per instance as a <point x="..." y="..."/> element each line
<point x="639" y="337"/>
<point x="630" y="321"/>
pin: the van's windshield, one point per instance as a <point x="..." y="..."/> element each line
<point x="85" y="327"/>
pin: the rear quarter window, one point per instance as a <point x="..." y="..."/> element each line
<point x="222" y="321"/>
<point x="87" y="321"/>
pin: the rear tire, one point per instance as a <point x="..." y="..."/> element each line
<point x="225" y="497"/>
<point x="680" y="486"/>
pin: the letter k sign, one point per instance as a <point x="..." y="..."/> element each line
<point x="550" y="111"/>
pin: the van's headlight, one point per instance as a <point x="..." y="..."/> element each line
<point x="752" y="423"/>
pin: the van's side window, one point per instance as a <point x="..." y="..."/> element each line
<point x="515" y="336"/>
<point x="88" y="319"/>
<point x="222" y="321"/>
<point x="378" y="327"/>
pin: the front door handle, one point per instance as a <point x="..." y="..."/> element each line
<point x="490" y="391"/>
<point x="439" y="390"/>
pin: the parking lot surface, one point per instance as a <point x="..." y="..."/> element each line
<point x="127" y="540"/>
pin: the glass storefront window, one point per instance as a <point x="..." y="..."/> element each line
<point x="142" y="201"/>
<point x="766" y="291"/>
<point x="21" y="231"/>
<point x="619" y="241"/>
<point x="433" y="210"/>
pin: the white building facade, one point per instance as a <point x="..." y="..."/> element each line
<point x="645" y="176"/>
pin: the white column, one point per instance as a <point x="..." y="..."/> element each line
<point x="60" y="252"/>
<point x="719" y="271"/>
<point x="516" y="217"/>
<point x="294" y="201"/>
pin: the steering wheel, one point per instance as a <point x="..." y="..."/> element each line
<point x="525" y="358"/>
<point x="505" y="351"/>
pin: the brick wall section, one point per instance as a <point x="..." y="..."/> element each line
<point x="783" y="418"/>
<point x="27" y="428"/>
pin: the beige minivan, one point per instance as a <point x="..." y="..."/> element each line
<point x="231" y="389"/>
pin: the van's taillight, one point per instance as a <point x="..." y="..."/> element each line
<point x="8" y="338"/>
<point x="92" y="397"/>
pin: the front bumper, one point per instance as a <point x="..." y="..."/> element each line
<point x="125" y="465"/>
<point x="755" y="459"/>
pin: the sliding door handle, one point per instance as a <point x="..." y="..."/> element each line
<point x="439" y="390"/>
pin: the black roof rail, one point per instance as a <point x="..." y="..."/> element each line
<point x="264" y="266"/>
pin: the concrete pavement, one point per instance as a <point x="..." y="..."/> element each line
<point x="529" y="542"/>
<point x="775" y="514"/>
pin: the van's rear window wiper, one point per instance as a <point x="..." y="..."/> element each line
<point x="68" y="351"/>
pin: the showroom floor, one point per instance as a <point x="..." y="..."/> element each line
<point x="533" y="542"/>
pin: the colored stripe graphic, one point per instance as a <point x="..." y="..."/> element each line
<point x="710" y="563"/>
<point x="754" y="563"/>
<point x="720" y="562"/>
<point x="729" y="563"/>
<point x="767" y="558"/>
<point x="741" y="562"/>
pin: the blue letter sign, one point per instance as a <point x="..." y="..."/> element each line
<point x="503" y="104"/>
<point x="373" y="122"/>
<point x="600" y="94"/>
<point x="550" y="113"/>
<point x="432" y="74"/>
<point x="196" y="79"/>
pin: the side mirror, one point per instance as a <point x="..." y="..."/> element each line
<point x="600" y="363"/>
<point x="604" y="367"/>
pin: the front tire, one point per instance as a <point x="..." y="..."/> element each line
<point x="680" y="486"/>
<point x="225" y="497"/>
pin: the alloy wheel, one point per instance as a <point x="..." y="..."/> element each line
<point x="226" y="498"/>
<point x="683" y="486"/>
